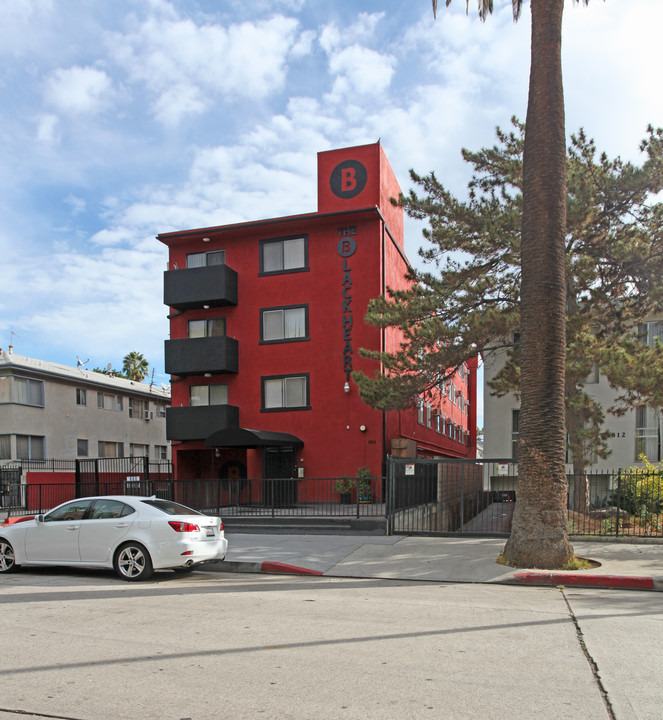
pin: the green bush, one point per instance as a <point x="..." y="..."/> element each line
<point x="641" y="491"/>
<point x="344" y="485"/>
<point x="364" y="483"/>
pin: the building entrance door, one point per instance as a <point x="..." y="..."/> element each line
<point x="280" y="484"/>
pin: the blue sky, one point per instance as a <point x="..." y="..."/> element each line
<point x="122" y="119"/>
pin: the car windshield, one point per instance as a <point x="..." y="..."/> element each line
<point x="170" y="507"/>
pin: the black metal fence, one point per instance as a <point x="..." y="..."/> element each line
<point x="280" y="497"/>
<point x="417" y="497"/>
<point x="478" y="497"/>
<point x="626" y="503"/>
<point x="32" y="486"/>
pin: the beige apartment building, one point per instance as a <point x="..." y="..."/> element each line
<point x="638" y="431"/>
<point x="53" y="411"/>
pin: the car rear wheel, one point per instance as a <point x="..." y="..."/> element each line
<point x="7" y="559"/>
<point x="133" y="562"/>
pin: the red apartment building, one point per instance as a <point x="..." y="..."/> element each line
<point x="266" y="324"/>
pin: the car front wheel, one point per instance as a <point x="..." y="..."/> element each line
<point x="133" y="562"/>
<point x="7" y="559"/>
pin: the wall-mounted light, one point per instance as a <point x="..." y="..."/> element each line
<point x="346" y="387"/>
<point x="362" y="428"/>
<point x="205" y="307"/>
<point x="208" y="374"/>
<point x="205" y="239"/>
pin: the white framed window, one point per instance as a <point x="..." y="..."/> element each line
<point x="648" y="423"/>
<point x="208" y="395"/>
<point x="207" y="327"/>
<point x="284" y="324"/>
<point x="81" y="396"/>
<point x="283" y="255"/>
<point x="285" y="392"/>
<point x="429" y="415"/>
<point x="205" y="259"/>
<point x="649" y="332"/>
<point x="161" y="452"/>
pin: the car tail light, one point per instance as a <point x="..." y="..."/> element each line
<point x="183" y="526"/>
<point x="221" y="526"/>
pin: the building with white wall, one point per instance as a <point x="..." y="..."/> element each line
<point x="54" y="411"/>
<point x="639" y="430"/>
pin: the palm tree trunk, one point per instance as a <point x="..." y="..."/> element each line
<point x="540" y="529"/>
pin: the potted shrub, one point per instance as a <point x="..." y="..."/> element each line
<point x="364" y="484"/>
<point x="344" y="486"/>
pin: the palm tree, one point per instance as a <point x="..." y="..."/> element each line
<point x="135" y="366"/>
<point x="539" y="536"/>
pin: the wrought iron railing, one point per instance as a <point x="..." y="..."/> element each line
<point x="416" y="497"/>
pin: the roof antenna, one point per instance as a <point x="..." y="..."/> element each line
<point x="80" y="363"/>
<point x="11" y="341"/>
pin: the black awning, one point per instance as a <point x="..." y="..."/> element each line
<point x="244" y="438"/>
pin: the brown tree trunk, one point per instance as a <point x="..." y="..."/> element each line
<point x="539" y="535"/>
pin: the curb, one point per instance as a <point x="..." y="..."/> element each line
<point x="268" y="566"/>
<point x="596" y="581"/>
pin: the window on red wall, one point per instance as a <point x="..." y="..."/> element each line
<point x="286" y="392"/>
<point x="420" y="411"/>
<point x="208" y="327"/>
<point x="285" y="324"/>
<point x="203" y="259"/>
<point x="284" y="255"/>
<point x="208" y="394"/>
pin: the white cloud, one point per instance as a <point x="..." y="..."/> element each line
<point x="77" y="204"/>
<point x="47" y="129"/>
<point x="77" y="90"/>
<point x="23" y="25"/>
<point x="362" y="31"/>
<point x="99" y="298"/>
<point x="361" y="71"/>
<point x="189" y="66"/>
<point x="218" y="113"/>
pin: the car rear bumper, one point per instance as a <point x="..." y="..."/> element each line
<point x="189" y="552"/>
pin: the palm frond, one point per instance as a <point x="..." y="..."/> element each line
<point x="486" y="7"/>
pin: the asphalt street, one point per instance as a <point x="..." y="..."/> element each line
<point x="84" y="645"/>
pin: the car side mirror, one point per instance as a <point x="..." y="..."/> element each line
<point x="39" y="518"/>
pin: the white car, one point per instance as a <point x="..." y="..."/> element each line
<point x="133" y="535"/>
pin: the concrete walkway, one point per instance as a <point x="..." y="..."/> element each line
<point x="637" y="566"/>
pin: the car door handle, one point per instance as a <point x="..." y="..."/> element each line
<point x="72" y="527"/>
<point x="121" y="525"/>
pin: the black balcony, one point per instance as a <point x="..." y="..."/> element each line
<point x="196" y="356"/>
<point x="196" y="423"/>
<point x="214" y="286"/>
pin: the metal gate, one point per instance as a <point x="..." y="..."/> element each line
<point x="123" y="476"/>
<point x="10" y="487"/>
<point x="450" y="497"/>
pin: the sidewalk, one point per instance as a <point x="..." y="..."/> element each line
<point x="450" y="559"/>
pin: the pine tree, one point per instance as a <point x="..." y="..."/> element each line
<point x="466" y="298"/>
